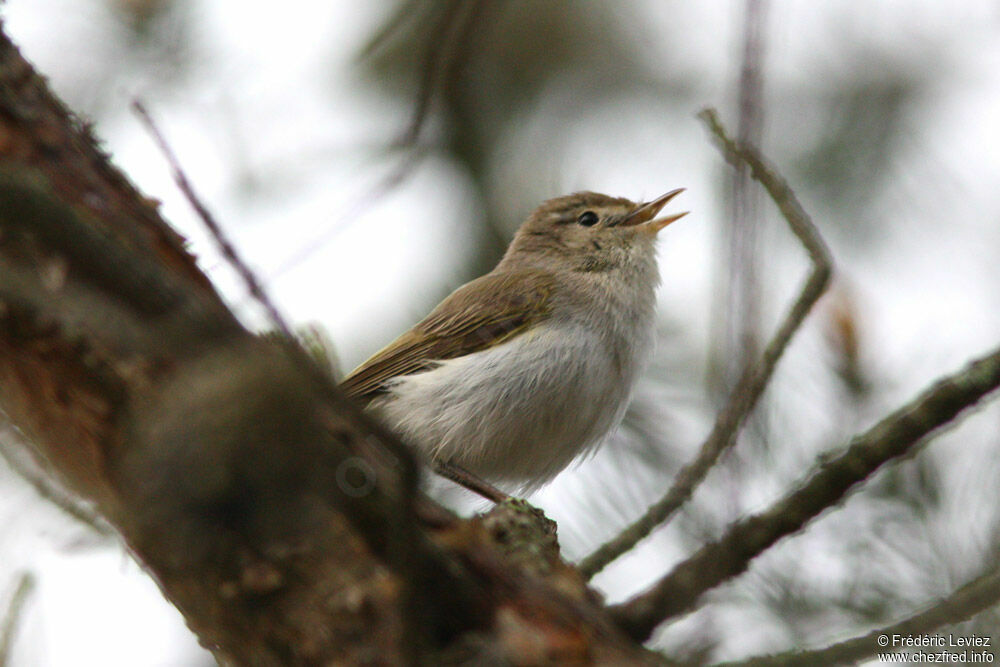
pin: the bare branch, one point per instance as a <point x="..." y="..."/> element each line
<point x="257" y="291"/>
<point x="8" y="626"/>
<point x="969" y="600"/>
<point x="742" y="310"/>
<point x="678" y="591"/>
<point x="225" y="246"/>
<point x="266" y="506"/>
<point x="755" y="378"/>
<point x="751" y="86"/>
<point x="400" y="549"/>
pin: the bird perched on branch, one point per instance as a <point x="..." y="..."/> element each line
<point x="520" y="371"/>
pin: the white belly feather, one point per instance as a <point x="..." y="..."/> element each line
<point x="521" y="411"/>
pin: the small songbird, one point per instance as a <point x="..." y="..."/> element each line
<point x="520" y="371"/>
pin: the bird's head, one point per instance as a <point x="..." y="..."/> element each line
<point x="588" y="231"/>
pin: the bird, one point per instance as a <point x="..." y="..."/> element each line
<point x="530" y="366"/>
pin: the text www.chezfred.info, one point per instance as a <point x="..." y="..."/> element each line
<point x="922" y="649"/>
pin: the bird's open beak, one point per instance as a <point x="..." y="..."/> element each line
<point x="643" y="217"/>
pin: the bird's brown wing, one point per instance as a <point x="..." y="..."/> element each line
<point x="476" y="316"/>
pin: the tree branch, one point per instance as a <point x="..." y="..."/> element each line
<point x="678" y="591"/>
<point x="742" y="312"/>
<point x="755" y="377"/>
<point x="8" y="625"/>
<point x="976" y="596"/>
<point x="221" y="239"/>
<point x="281" y="521"/>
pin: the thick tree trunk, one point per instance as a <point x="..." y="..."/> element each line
<point x="283" y="524"/>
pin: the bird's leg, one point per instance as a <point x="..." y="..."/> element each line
<point x="474" y="483"/>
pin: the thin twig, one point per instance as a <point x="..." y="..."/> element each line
<point x="42" y="483"/>
<point x="743" y="233"/>
<point x="222" y="241"/>
<point x="678" y="591"/>
<point x="406" y="534"/>
<point x="756" y="377"/>
<point x="976" y="596"/>
<point x="8" y="627"/>
<point x="409" y="474"/>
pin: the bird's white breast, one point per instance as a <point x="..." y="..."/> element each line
<point x="521" y="411"/>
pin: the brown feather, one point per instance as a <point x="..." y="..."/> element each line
<point x="480" y="314"/>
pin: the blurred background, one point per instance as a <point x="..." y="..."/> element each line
<point x="368" y="158"/>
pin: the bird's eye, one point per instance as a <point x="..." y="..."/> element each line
<point x="587" y="219"/>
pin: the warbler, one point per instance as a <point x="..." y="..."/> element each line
<point x="520" y="371"/>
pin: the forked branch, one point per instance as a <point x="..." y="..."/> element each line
<point x="756" y="376"/>
<point x="678" y="591"/>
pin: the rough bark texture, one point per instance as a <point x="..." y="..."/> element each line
<point x="281" y="522"/>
